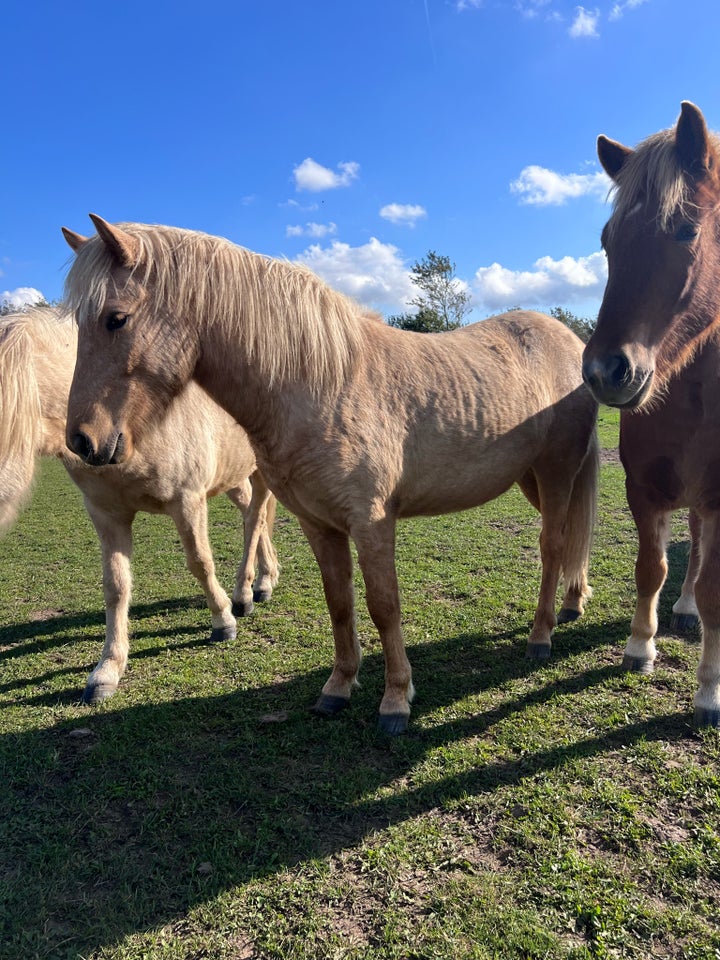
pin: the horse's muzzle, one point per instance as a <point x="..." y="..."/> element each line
<point x="111" y="452"/>
<point x="614" y="380"/>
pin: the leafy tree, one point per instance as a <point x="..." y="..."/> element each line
<point x="582" y="326"/>
<point x="441" y="304"/>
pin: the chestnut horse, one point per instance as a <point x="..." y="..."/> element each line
<point x="656" y="350"/>
<point x="193" y="452"/>
<point x="355" y="424"/>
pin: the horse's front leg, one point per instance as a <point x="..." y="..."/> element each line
<point x="653" y="527"/>
<point x="685" y="612"/>
<point x="190" y="516"/>
<point x="376" y="555"/>
<point x="332" y="552"/>
<point x="707" y="596"/>
<point x="115" y="535"/>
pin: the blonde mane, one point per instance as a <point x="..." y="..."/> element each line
<point x="653" y="171"/>
<point x="21" y="416"/>
<point x="289" y="322"/>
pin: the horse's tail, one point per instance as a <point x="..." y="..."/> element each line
<point x="579" y="531"/>
<point x="20" y="418"/>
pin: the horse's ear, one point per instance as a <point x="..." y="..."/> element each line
<point x="612" y="155"/>
<point x="692" y="140"/>
<point x="75" y="240"/>
<point x="124" y="247"/>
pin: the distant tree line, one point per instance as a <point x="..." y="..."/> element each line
<point x="6" y="307"/>
<point x="442" y="301"/>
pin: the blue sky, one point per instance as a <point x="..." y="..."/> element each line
<point x="353" y="136"/>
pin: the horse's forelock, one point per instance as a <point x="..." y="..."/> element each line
<point x="653" y="174"/>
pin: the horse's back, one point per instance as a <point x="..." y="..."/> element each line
<point x="481" y="406"/>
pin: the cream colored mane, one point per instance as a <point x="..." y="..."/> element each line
<point x="288" y="321"/>
<point x="24" y="336"/>
<point x="653" y="171"/>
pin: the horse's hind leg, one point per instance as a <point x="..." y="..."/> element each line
<point x="707" y="595"/>
<point x="268" y="566"/>
<point x="190" y="516"/>
<point x="332" y="552"/>
<point x="115" y="534"/>
<point x="552" y="504"/>
<point x="685" y="612"/>
<point x="650" y="571"/>
<point x="257" y="506"/>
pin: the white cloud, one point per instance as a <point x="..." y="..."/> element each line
<point x="543" y="187"/>
<point x="317" y="230"/>
<point x="310" y="175"/>
<point x="403" y="213"/>
<point x="585" y="23"/>
<point x="374" y="274"/>
<point x="551" y="282"/>
<point x="21" y="297"/>
<point x="619" y="9"/>
<point x="305" y="208"/>
<point x="530" y="9"/>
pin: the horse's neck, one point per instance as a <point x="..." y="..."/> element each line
<point x="235" y="385"/>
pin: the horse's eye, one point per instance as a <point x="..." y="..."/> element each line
<point x="686" y="232"/>
<point x="116" y="320"/>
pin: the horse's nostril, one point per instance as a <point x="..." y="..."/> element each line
<point x="82" y="446"/>
<point x="619" y="370"/>
<point x="613" y="372"/>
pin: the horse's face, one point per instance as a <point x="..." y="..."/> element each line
<point x="662" y="291"/>
<point x="129" y="365"/>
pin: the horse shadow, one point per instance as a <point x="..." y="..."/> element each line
<point x="142" y="812"/>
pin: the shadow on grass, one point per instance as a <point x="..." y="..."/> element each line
<point x="111" y="832"/>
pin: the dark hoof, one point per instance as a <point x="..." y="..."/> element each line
<point x="684" y="622"/>
<point x="242" y="609"/>
<point x="537" y="651"/>
<point x="262" y="596"/>
<point x="568" y="615"/>
<point x="638" y="665"/>
<point x="96" y="693"/>
<point x="329" y="706"/>
<point x="218" y="634"/>
<point x="393" y="724"/>
<point x="705" y="717"/>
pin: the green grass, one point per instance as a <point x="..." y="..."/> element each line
<point x="565" y="810"/>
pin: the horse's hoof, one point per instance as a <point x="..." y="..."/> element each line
<point x="329" y="706"/>
<point x="242" y="608"/>
<point x="218" y="634"/>
<point x="642" y="665"/>
<point x="95" y="693"/>
<point x="537" y="651"/>
<point x="393" y="724"/>
<point x="684" y="622"/>
<point x="262" y="596"/>
<point x="568" y="615"/>
<point x="707" y="717"/>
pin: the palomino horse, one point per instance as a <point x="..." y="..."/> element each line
<point x="656" y="350"/>
<point x="355" y="424"/>
<point x="195" y="451"/>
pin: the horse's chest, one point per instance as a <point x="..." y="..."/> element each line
<point x="673" y="451"/>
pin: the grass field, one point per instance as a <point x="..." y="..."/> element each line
<point x="561" y="810"/>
